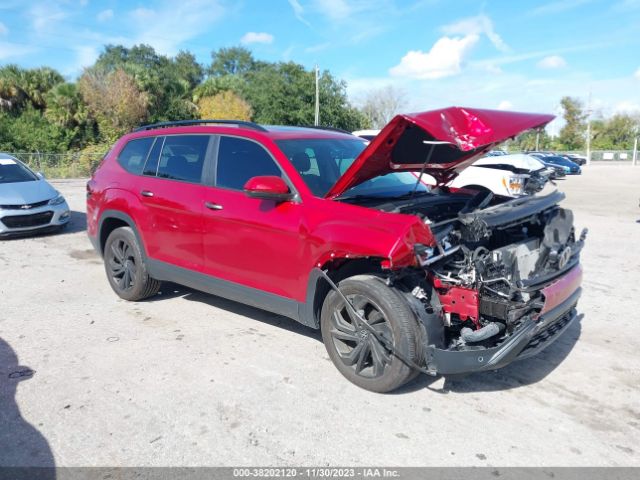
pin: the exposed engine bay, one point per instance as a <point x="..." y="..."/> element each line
<point x="486" y="272"/>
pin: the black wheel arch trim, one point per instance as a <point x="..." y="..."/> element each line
<point x="117" y="214"/>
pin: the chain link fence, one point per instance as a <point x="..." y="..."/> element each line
<point x="61" y="165"/>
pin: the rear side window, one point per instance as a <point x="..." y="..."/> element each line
<point x="134" y="154"/>
<point x="183" y="157"/>
<point x="239" y="160"/>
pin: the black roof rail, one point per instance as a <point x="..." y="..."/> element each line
<point x="332" y="129"/>
<point x="183" y="123"/>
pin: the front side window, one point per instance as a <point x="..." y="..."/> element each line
<point x="183" y="157"/>
<point x="239" y="160"/>
<point x="134" y="154"/>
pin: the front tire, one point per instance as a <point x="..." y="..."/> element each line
<point x="358" y="354"/>
<point x="125" y="266"/>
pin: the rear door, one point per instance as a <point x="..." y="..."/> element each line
<point x="172" y="190"/>
<point x="254" y="242"/>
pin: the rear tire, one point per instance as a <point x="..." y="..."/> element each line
<point x="355" y="352"/>
<point x="125" y="266"/>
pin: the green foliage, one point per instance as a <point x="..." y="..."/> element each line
<point x="231" y="61"/>
<point x="32" y="132"/>
<point x="572" y="135"/>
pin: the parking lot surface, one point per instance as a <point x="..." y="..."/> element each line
<point x="87" y="379"/>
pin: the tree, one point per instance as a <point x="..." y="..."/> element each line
<point x="224" y="105"/>
<point x="527" y="141"/>
<point x="167" y="82"/>
<point x="380" y="105"/>
<point x="572" y="135"/>
<point x="284" y="93"/>
<point x="615" y="133"/>
<point x="231" y="61"/>
<point x="115" y="101"/>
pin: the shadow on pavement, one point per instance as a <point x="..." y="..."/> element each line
<point x="21" y="444"/>
<point x="172" y="290"/>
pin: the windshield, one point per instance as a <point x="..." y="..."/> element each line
<point x="12" y="171"/>
<point x="322" y="161"/>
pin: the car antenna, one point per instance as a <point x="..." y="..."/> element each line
<point x="433" y="144"/>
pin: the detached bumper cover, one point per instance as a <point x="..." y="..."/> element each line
<point x="530" y="338"/>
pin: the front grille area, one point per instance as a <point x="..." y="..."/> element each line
<point x="24" y="206"/>
<point x="26" y="221"/>
<point x="550" y="331"/>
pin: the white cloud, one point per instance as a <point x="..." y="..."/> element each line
<point x="298" y="11"/>
<point x="627" y="106"/>
<point x="478" y="25"/>
<point x="637" y="74"/>
<point x="335" y="9"/>
<point x="44" y="15"/>
<point x="13" y="50"/>
<point x="256" y="37"/>
<point x="444" y="59"/>
<point x="170" y="24"/>
<point x="105" y="15"/>
<point x="552" y="61"/>
<point x="3" y="29"/>
<point x="505" y="105"/>
<point x="557" y="6"/>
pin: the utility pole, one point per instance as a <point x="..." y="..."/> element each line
<point x="589" y="129"/>
<point x="635" y="151"/>
<point x="538" y="141"/>
<point x="317" y="116"/>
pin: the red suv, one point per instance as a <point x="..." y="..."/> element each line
<point x="318" y="226"/>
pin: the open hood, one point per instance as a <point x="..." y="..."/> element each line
<point x="443" y="142"/>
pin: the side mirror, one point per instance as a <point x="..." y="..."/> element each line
<point x="268" y="188"/>
<point x="40" y="175"/>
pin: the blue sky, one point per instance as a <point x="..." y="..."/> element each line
<point x="520" y="55"/>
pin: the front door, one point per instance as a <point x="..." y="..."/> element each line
<point x="254" y="242"/>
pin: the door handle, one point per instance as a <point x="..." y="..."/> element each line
<point x="213" y="206"/>
<point x="146" y="193"/>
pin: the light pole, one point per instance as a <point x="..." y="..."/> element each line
<point x="317" y="115"/>
<point x="589" y="129"/>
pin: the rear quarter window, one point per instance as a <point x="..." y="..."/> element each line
<point x="134" y="154"/>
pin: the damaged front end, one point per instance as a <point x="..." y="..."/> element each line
<point x="503" y="281"/>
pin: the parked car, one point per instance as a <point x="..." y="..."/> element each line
<point x="575" y="158"/>
<point x="368" y="135"/>
<point x="559" y="162"/>
<point x="512" y="175"/>
<point x="496" y="153"/>
<point x="28" y="203"/>
<point x="315" y="225"/>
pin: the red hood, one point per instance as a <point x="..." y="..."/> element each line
<point x="457" y="135"/>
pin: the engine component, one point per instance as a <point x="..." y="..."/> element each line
<point x="488" y="331"/>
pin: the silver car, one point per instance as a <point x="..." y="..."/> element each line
<point x="28" y="203"/>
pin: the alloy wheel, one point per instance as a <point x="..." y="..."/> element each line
<point x="122" y="264"/>
<point x="356" y="346"/>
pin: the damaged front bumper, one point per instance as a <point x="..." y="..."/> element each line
<point x="531" y="336"/>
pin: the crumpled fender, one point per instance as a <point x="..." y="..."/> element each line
<point x="392" y="242"/>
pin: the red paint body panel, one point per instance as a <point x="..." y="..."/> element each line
<point x="558" y="291"/>
<point x="467" y="132"/>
